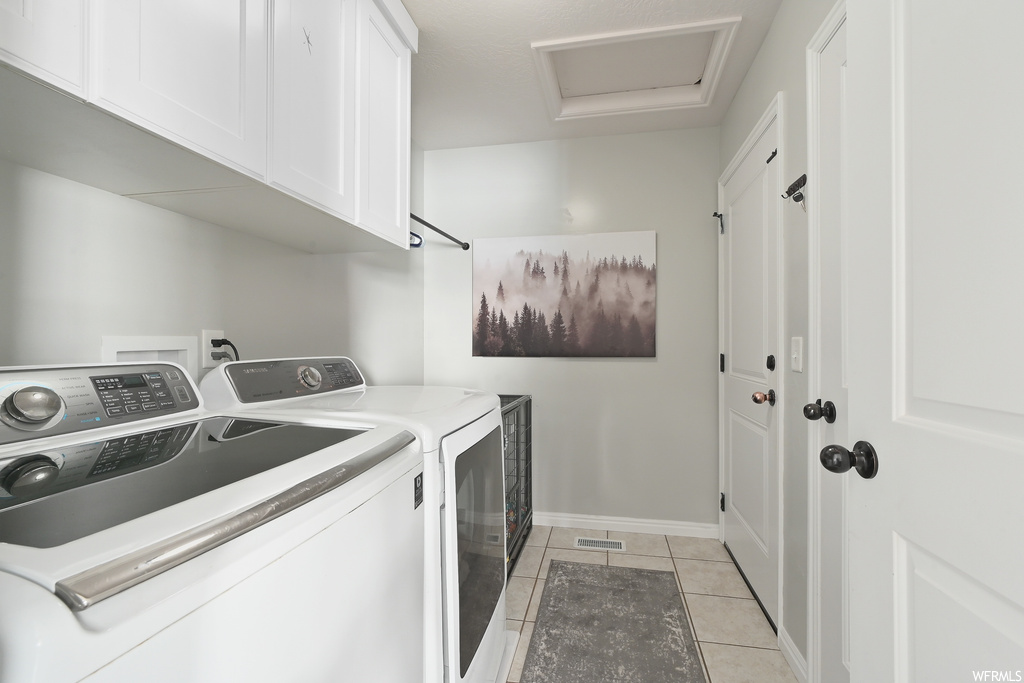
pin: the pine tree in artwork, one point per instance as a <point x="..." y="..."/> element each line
<point x="557" y="340"/>
<point x="616" y="336"/>
<point x="483" y="319"/>
<point x="503" y="335"/>
<point x="492" y="347"/>
<point x="541" y="335"/>
<point x="515" y="345"/>
<point x="634" y="338"/>
<point x="501" y="292"/>
<point x="595" y="285"/>
<point x="526" y="330"/>
<point x="598" y="338"/>
<point x="572" y="338"/>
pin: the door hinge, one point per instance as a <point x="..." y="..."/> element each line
<point x="721" y="502"/>
<point x="774" y="153"/>
<point x="721" y="222"/>
<point x="721" y="362"/>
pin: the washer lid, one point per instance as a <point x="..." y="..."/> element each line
<point x="105" y="483"/>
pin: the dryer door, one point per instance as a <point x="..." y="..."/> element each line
<point x="473" y="548"/>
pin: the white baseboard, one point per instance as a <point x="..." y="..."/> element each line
<point x="627" y="524"/>
<point x="796" y="660"/>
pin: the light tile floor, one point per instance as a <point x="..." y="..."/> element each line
<point x="736" y="642"/>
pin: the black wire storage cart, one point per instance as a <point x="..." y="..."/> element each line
<point x="515" y="417"/>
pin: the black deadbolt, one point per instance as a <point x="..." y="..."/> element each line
<point x="770" y="363"/>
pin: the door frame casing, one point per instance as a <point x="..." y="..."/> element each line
<point x="829" y="27"/>
<point x="772" y="115"/>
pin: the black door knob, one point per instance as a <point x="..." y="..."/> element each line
<point x="863" y="459"/>
<point x="817" y="410"/>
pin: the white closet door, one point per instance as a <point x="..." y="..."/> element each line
<point x="749" y="199"/>
<point x="935" y="340"/>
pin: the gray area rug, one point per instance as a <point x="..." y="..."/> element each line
<point x="600" y="624"/>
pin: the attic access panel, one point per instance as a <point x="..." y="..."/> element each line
<point x="671" y="67"/>
<point x="662" y="62"/>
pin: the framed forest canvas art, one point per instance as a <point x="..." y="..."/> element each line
<point x="568" y="295"/>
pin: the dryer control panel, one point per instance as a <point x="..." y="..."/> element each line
<point x="270" y="380"/>
<point x="47" y="401"/>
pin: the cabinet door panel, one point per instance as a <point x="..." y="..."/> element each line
<point x="384" y="127"/>
<point x="191" y="70"/>
<point x="313" y="95"/>
<point x="45" y="38"/>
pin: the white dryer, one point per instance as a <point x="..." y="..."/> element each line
<point x="463" y="479"/>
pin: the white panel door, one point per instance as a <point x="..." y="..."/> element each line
<point x="45" y="38"/>
<point x="193" y="71"/>
<point x="829" y="657"/>
<point x="313" y="125"/>
<point x="936" y="330"/>
<point x="384" y="73"/>
<point x="749" y="286"/>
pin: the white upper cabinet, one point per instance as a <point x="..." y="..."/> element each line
<point x="313" y="113"/>
<point x="384" y="97"/>
<point x="45" y="38"/>
<point x="287" y="119"/>
<point x="192" y="71"/>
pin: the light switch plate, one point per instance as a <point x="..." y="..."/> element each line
<point x="796" y="354"/>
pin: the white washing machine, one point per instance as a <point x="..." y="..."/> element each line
<point x="144" y="538"/>
<point x="463" y="481"/>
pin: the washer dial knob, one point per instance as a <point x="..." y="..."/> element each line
<point x="33" y="404"/>
<point x="32" y="408"/>
<point x="310" y="376"/>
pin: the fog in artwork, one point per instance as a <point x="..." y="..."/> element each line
<point x="575" y="295"/>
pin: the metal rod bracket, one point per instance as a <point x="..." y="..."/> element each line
<point x="439" y="231"/>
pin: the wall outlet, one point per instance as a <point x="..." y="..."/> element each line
<point x="206" y="348"/>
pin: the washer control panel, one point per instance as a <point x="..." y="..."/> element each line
<point x="269" y="380"/>
<point x="38" y="402"/>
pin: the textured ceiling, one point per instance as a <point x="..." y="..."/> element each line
<point x="475" y="81"/>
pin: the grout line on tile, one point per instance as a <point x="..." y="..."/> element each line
<point x="747" y="647"/>
<point x="693" y="630"/>
<point x="530" y="601"/>
<point x="701" y="559"/>
<point x="727" y="597"/>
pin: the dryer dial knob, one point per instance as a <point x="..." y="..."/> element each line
<point x="33" y="405"/>
<point x="310" y="377"/>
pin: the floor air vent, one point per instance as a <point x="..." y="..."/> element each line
<point x="599" y="544"/>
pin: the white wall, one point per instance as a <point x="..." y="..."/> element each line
<point x="779" y="66"/>
<point x="620" y="438"/>
<point x="77" y="263"/>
